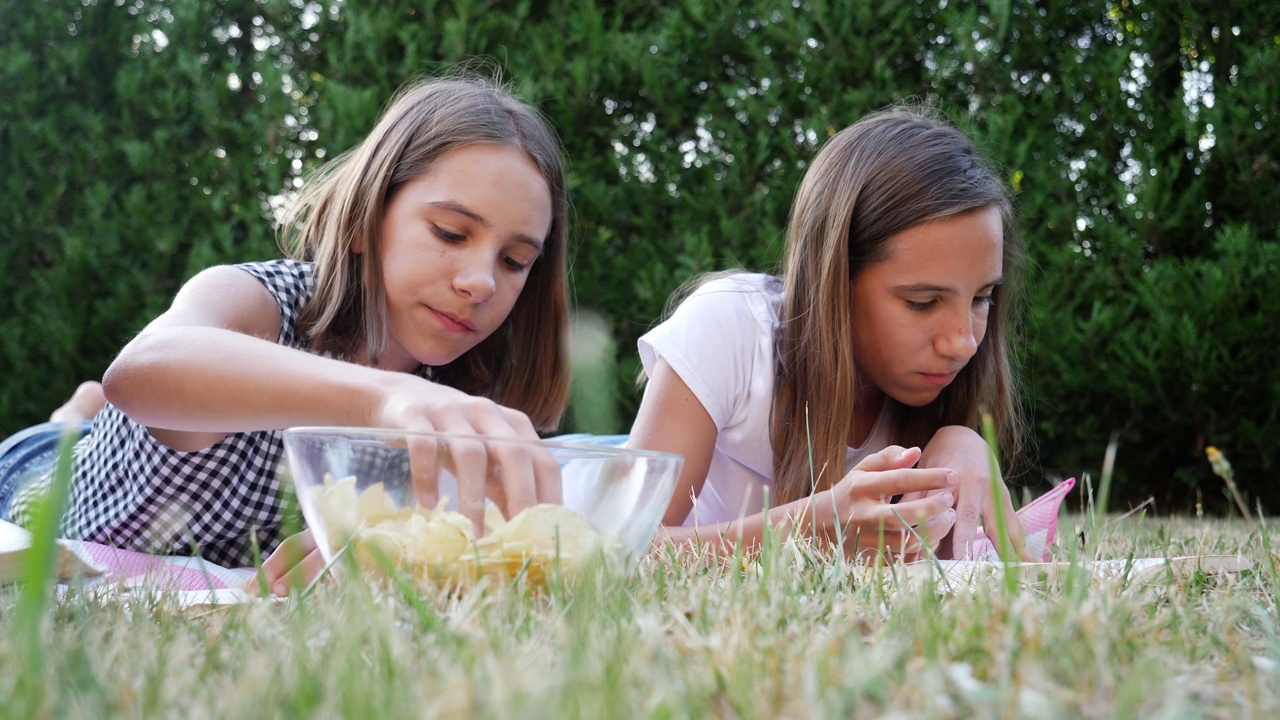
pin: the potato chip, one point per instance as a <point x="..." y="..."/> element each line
<point x="375" y="505"/>
<point x="551" y="529"/>
<point x="436" y="546"/>
<point x="337" y="504"/>
<point x="433" y="541"/>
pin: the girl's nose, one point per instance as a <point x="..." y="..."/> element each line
<point x="474" y="279"/>
<point x="957" y="339"/>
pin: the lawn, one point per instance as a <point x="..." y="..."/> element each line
<point x="793" y="632"/>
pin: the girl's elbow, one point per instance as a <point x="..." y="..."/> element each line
<point x="123" y="378"/>
<point x="960" y="434"/>
<point x="115" y="383"/>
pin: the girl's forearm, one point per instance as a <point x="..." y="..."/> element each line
<point x="724" y="538"/>
<point x="203" y="379"/>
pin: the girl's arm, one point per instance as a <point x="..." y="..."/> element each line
<point x="210" y="365"/>
<point x="856" y="510"/>
<point x="672" y="419"/>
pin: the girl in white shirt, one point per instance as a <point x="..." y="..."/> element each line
<point x="841" y="398"/>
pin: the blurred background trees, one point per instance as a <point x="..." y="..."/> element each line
<point x="142" y="140"/>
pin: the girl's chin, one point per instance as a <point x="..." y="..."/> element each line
<point x="438" y="359"/>
<point x="916" y="400"/>
<point x="411" y="363"/>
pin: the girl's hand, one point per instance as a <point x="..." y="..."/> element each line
<point x="868" y="521"/>
<point x="515" y="474"/>
<point x="964" y="451"/>
<point x="295" y="563"/>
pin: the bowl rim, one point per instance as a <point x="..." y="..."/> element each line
<point x="387" y="432"/>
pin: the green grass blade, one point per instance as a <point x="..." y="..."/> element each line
<point x="1001" y="540"/>
<point x="41" y="570"/>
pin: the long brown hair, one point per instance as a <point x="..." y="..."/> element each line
<point x="523" y="364"/>
<point x="888" y="172"/>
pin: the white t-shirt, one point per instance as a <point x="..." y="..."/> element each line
<point x="720" y="342"/>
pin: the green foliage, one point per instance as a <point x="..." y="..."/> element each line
<point x="1178" y="355"/>
<point x="1140" y="136"/>
<point x="127" y="163"/>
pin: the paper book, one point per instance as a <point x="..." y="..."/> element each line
<point x="15" y="546"/>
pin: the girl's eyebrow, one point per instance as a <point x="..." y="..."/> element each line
<point x="927" y="288"/>
<point x="479" y="219"/>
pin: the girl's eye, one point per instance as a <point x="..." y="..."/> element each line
<point x="921" y="306"/>
<point x="448" y="236"/>
<point x="514" y="264"/>
<point x="984" y="300"/>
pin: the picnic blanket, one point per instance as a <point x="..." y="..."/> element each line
<point x="191" y="580"/>
<point x="194" y="582"/>
<point x="955" y="575"/>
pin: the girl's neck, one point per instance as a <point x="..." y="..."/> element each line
<point x="388" y="361"/>
<point x="868" y="403"/>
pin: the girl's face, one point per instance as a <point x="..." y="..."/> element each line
<point x="457" y="245"/>
<point x="920" y="314"/>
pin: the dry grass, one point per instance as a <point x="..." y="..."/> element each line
<point x="795" y="632"/>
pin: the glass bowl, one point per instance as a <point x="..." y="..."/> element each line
<point x="356" y="483"/>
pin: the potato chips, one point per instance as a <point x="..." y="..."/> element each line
<point x="439" y="547"/>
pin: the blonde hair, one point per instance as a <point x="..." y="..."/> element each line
<point x="888" y="172"/>
<point x="523" y="364"/>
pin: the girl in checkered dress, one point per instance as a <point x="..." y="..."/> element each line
<point x="425" y="291"/>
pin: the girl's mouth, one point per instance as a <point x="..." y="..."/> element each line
<point x="453" y="322"/>
<point x="939" y="379"/>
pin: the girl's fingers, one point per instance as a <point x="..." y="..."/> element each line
<point x="547" y="478"/>
<point x="424" y="469"/>
<point x="514" y="463"/>
<point x="546" y="471"/>
<point x="468" y="456"/>
<point x="512" y="453"/>
<point x="471" y="467"/>
<point x="495" y="463"/>
<point x="922" y="510"/>
<point x="289" y="554"/>
<point x="301" y="575"/>
<point x="937" y="528"/>
<point x="890" y="458"/>
<point x="888" y="483"/>
<point x="907" y="543"/>
<point x="907" y="497"/>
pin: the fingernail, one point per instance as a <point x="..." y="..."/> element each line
<point x="949" y="498"/>
<point x="952" y="478"/>
<point x="279" y="589"/>
<point x="951" y="513"/>
<point x="903" y="453"/>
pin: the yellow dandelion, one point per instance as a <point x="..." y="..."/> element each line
<point x="1218" y="461"/>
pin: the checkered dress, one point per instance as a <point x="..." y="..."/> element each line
<point x="131" y="491"/>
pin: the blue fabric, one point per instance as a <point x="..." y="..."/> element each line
<point x="589" y="439"/>
<point x="28" y="455"/>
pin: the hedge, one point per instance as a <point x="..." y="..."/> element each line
<point x="141" y="141"/>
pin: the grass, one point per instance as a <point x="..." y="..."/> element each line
<point x="794" y="631"/>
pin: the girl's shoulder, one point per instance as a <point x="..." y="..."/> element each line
<point x="289" y="282"/>
<point x="284" y="276"/>
<point x="738" y="293"/>
<point x="739" y="281"/>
